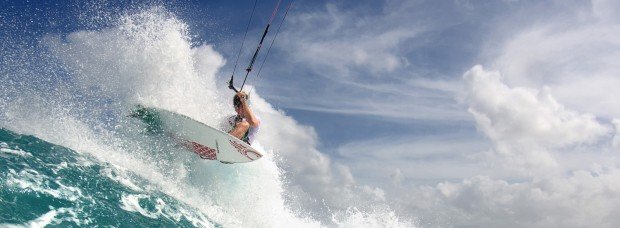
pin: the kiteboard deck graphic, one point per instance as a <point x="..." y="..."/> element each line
<point x="204" y="140"/>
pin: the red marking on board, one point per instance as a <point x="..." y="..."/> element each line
<point x="203" y="151"/>
<point x="244" y="151"/>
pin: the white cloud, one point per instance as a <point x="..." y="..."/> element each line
<point x="580" y="199"/>
<point x="525" y="124"/>
<point x="616" y="139"/>
<point x="574" y="54"/>
<point x="605" y="10"/>
<point x="569" y="53"/>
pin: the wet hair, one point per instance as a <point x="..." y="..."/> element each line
<point x="236" y="101"/>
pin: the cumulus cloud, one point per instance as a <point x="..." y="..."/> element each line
<point x="541" y="110"/>
<point x="605" y="10"/>
<point x="616" y="140"/>
<point x="525" y="124"/>
<point x="573" y="53"/>
<point x="580" y="199"/>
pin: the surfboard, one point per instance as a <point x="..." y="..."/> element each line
<point x="207" y="142"/>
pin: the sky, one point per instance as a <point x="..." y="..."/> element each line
<point x="487" y="112"/>
<point x="456" y="112"/>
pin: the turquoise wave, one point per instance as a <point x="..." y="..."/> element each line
<point x="42" y="184"/>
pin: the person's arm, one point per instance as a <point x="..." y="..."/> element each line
<point x="250" y="117"/>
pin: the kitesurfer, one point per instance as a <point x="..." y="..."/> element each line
<point x="245" y="123"/>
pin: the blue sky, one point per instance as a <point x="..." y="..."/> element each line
<point x="460" y="108"/>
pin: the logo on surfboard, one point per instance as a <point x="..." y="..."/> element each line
<point x="203" y="151"/>
<point x="249" y="153"/>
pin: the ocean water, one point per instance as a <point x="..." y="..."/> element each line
<point x="46" y="184"/>
<point x="70" y="156"/>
